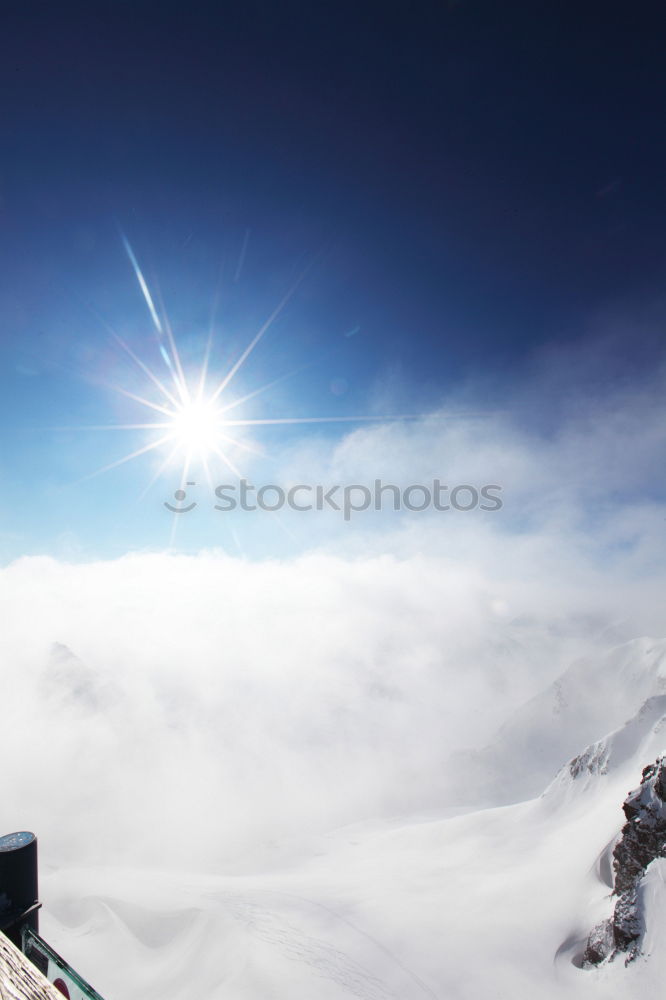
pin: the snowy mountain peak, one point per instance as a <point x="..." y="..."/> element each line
<point x="69" y="679"/>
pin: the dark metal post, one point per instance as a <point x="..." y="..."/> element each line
<point x="18" y="884"/>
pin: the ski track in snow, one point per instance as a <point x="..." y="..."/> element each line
<point x="324" y="959"/>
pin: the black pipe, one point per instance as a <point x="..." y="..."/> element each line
<point x="19" y="904"/>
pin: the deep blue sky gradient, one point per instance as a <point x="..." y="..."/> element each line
<point x="470" y="182"/>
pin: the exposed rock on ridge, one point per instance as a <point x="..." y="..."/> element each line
<point x="642" y="841"/>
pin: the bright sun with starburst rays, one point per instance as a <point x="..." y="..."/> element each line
<point x="192" y="421"/>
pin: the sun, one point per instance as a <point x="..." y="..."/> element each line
<point x="197" y="427"/>
<point x="191" y="421"/>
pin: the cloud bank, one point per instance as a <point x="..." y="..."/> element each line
<point x="211" y="710"/>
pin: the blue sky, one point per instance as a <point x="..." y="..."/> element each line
<point x="470" y="188"/>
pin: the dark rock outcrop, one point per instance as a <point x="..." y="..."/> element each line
<point x="642" y="841"/>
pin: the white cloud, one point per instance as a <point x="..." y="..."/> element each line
<point x="233" y="703"/>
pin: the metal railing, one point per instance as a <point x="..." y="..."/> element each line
<point x="55" y="968"/>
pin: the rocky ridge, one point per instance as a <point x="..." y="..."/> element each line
<point x="642" y="841"/>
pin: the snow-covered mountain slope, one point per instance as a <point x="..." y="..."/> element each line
<point x="494" y="903"/>
<point x="617" y="759"/>
<point x="461" y="905"/>
<point x="594" y="696"/>
<point x="497" y="902"/>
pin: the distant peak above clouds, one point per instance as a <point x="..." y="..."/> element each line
<point x="69" y="680"/>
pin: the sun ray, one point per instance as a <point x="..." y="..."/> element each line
<point x="207" y="472"/>
<point x="364" y="418"/>
<point x="179" y="375"/>
<point x="277" y="421"/>
<point x="146" y="370"/>
<point x="261" y="389"/>
<point x="243" y="444"/>
<point x="183" y="484"/>
<point x="217" y="294"/>
<point x="137" y="361"/>
<point x="239" y="547"/>
<point x="241" y="259"/>
<point x="167" y="461"/>
<point x="203" y="374"/>
<point x="162" y="327"/>
<point x="227" y="461"/>
<point x="186" y="469"/>
<point x="166" y="358"/>
<point x="112" y="427"/>
<point x="262" y="330"/>
<point x="140" y="399"/>
<point x="142" y="283"/>
<point x="128" y="458"/>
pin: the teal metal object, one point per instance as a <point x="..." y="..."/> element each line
<point x="56" y="969"/>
